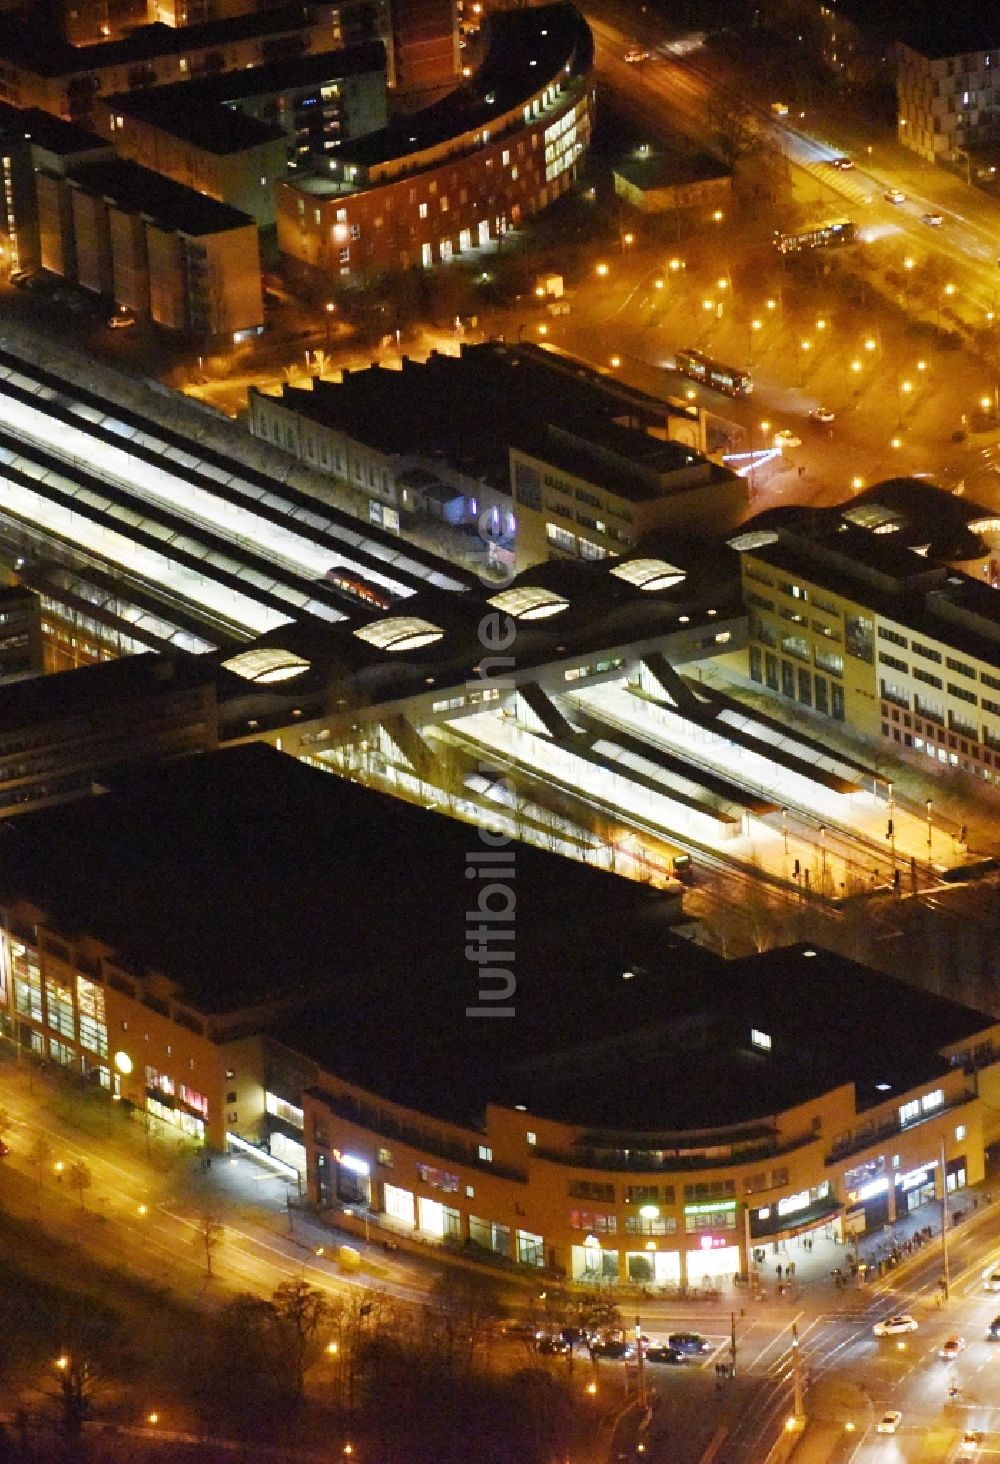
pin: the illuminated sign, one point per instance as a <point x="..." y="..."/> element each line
<point x="710" y="1209"/>
<point x="713" y="1242"/>
<point x="871" y="1189"/>
<point x="916" y="1176"/>
<point x="348" y="1161"/>
<point x="791" y="1204"/>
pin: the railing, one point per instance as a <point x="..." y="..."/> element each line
<point x="644" y="1161"/>
<point x="387" y="1126"/>
<point x="864" y="1138"/>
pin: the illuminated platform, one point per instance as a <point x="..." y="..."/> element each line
<point x="217" y="553"/>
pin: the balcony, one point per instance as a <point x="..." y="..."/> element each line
<point x="386" y="1125"/>
<point x="657" y="1161"/>
<point x="863" y="1138"/>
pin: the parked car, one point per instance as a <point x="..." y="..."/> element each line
<point x="689" y="1342"/>
<point x="122" y="318"/>
<point x="787" y="438"/>
<point x="951" y="1347"/>
<point x="551" y="1346"/>
<point x="894" y="195"/>
<point x="636" y="55"/>
<point x="895" y="1326"/>
<point x="614" y="1348"/>
<point x="663" y="1352"/>
<point x="889" y="1422"/>
<point x="779" y="109"/>
<point x="994" y="1329"/>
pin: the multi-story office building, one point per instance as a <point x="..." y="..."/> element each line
<point x="235" y="136"/>
<point x="458" y="174"/>
<point x="618" y="1124"/>
<point x="947" y="93"/>
<point x="862" y="628"/>
<point x="526" y="445"/>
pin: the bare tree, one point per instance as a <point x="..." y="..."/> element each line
<point x="211" y="1232"/>
<point x="80" y="1178"/>
<point x="302" y="1314"/>
<point x="40" y="1154"/>
<point x="466" y="1304"/>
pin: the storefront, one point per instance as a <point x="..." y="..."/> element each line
<point x="868" y="1190"/>
<point x="795" y="1214"/>
<point x="716" y="1259"/>
<point x="652" y="1267"/>
<point x="915" y="1188"/>
<point x="591" y="1262"/>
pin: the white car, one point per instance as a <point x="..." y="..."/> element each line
<point x="968" y="1444"/>
<point x="894" y="195"/>
<point x="787" y="438"/>
<point x="992" y="1281"/>
<point x="895" y="1326"/>
<point x="821" y="414"/>
<point x="934" y="219"/>
<point x="890" y="1421"/>
<point x="636" y="55"/>
<point x="779" y="109"/>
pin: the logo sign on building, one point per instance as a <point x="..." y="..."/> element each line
<point x="713" y="1207"/>
<point x="916" y="1176"/>
<point x="791" y="1204"/>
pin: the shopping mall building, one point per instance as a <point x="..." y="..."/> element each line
<point x="482" y="1045"/>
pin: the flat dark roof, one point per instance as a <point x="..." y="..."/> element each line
<point x="98" y="689"/>
<point x="170" y="204"/>
<point x="667" y="169"/>
<point x="936" y="30"/>
<point x="198" y="109"/>
<point x="38" y="50"/>
<point x="245" y="874"/>
<point x="526" y="48"/>
<point x="215" y="129"/>
<point x="469" y="409"/>
<point x="49" y="132"/>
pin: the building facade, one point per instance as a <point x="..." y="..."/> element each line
<point x="680" y="1215"/>
<point x="909" y="656"/>
<point x="187" y="262"/>
<point x="947" y="106"/>
<point x="457" y="176"/>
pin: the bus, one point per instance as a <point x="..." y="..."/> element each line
<point x="821" y="236"/>
<point x="728" y="379"/>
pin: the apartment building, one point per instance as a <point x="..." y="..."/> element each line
<point x="947" y="87"/>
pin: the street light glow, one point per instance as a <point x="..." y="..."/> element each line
<point x="657" y="284"/>
<point x="602" y="269"/>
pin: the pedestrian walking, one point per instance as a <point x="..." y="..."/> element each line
<point x="778" y="1270"/>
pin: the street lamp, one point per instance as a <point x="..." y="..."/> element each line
<point x="601" y="270"/>
<point x="676" y="264"/>
<point x="718" y="216"/>
<point x="857" y="483"/>
<point x="616" y="361"/>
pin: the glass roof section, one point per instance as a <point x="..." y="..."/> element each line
<point x="648" y="574"/>
<point x="264" y="664"/>
<point x="529" y="602"/>
<point x="400" y="633"/>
